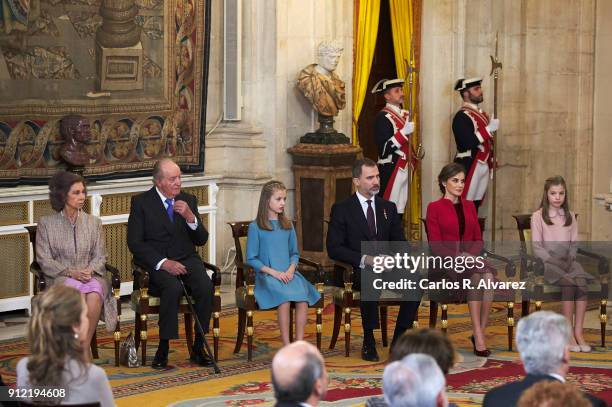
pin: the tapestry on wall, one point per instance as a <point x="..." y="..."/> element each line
<point x="136" y="70"/>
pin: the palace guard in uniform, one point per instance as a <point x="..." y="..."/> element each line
<point x="473" y="134"/>
<point x="392" y="130"/>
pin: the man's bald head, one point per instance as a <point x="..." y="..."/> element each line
<point x="298" y="372"/>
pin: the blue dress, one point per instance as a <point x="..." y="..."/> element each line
<point x="277" y="249"/>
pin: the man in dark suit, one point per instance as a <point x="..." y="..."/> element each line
<point x="299" y="376"/>
<point x="542" y="339"/>
<point x="366" y="217"/>
<point x="163" y="229"/>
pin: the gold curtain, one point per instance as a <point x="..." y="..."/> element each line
<point x="403" y="29"/>
<point x="366" y="20"/>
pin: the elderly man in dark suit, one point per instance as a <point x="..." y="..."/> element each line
<point x="163" y="229"/>
<point x="366" y="217"/>
<point x="542" y="339"/>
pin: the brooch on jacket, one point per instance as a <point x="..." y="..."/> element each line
<point x="385" y="213"/>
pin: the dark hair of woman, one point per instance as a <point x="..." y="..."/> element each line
<point x="59" y="185"/>
<point x="447" y="172"/>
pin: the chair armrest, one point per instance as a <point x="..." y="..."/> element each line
<point x="247" y="272"/>
<point x="320" y="275"/>
<point x="211" y="266"/>
<point x="41" y="284"/>
<point x="115" y="275"/>
<point x="510" y="266"/>
<point x="603" y="262"/>
<point x="216" y="272"/>
<point x="347" y="273"/>
<point x="539" y="264"/>
<point x="35" y="269"/>
<point x="141" y="274"/>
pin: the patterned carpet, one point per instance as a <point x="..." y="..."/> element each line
<point x="352" y="380"/>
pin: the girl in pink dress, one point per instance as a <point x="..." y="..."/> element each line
<point x="554" y="232"/>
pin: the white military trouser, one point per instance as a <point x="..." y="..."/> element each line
<point x="479" y="182"/>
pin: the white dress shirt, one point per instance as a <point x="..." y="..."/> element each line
<point x="192" y="226"/>
<point x="364" y="208"/>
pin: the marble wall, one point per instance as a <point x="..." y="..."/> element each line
<point x="545" y="97"/>
<point x="601" y="220"/>
<point x="279" y="38"/>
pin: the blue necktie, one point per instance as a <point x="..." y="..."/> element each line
<point x="170" y="209"/>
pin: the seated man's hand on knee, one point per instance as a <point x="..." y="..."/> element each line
<point x="173" y="267"/>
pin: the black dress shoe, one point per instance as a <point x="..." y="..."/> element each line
<point x="200" y="358"/>
<point x="160" y="361"/>
<point x="482" y="353"/>
<point x="368" y="353"/>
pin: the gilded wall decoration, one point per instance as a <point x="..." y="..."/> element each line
<point x="50" y="68"/>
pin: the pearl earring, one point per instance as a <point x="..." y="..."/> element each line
<point x="76" y="336"/>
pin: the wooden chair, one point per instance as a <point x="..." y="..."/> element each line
<point x="245" y="290"/>
<point x="40" y="285"/>
<point x="145" y="302"/>
<point x="532" y="271"/>
<point x="498" y="262"/>
<point x="346" y="298"/>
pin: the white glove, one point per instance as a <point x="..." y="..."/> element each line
<point x="493" y="125"/>
<point x="407" y="129"/>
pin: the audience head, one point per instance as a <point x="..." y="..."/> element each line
<point x="298" y="374"/>
<point x="542" y="339"/>
<point x="555" y="196"/>
<point x="56" y="329"/>
<point x="167" y="177"/>
<point x="366" y="177"/>
<point x="272" y="202"/>
<point x="67" y="189"/>
<point x="425" y="341"/>
<point x="451" y="179"/>
<point x="414" y="381"/>
<point x="549" y="393"/>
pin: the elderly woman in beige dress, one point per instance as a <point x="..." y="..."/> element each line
<point x="70" y="249"/>
<point x="554" y="232"/>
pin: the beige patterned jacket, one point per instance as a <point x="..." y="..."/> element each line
<point x="55" y="253"/>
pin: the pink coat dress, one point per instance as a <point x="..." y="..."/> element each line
<point x="557" y="241"/>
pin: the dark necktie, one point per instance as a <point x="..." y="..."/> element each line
<point x="170" y="209"/>
<point x="370" y="218"/>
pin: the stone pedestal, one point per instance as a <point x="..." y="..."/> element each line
<point x="322" y="176"/>
<point x="119" y="68"/>
<point x="325" y="134"/>
<point x="119" y="55"/>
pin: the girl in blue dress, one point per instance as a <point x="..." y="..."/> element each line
<point x="272" y="251"/>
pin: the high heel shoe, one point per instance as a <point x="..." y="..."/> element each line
<point x="482" y="353"/>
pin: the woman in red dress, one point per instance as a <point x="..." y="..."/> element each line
<point x="453" y="230"/>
